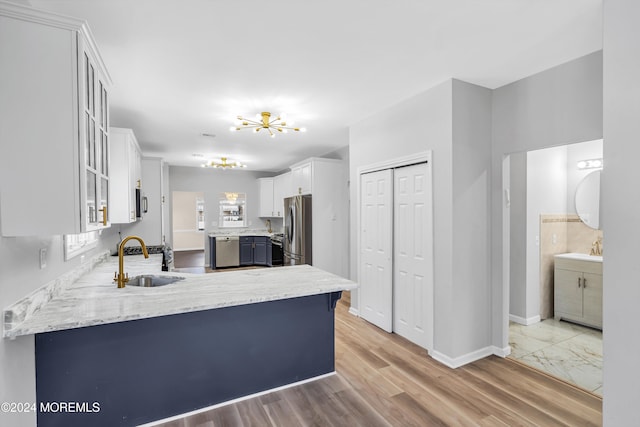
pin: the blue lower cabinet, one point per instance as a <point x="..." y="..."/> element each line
<point x="129" y="373"/>
<point x="255" y="250"/>
<point x="212" y="252"/>
<point x="262" y="250"/>
<point x="246" y="250"/>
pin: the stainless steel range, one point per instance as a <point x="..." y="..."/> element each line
<point x="277" y="257"/>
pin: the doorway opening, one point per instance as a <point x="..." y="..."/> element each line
<point x="543" y="229"/>
<point x="188" y="231"/>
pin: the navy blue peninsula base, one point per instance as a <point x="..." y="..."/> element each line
<point x="139" y="371"/>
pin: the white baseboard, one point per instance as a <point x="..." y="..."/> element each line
<point x="501" y="352"/>
<point x="354" y="311"/>
<point x="229" y="402"/>
<point x="456" y="362"/>
<point x="524" y="321"/>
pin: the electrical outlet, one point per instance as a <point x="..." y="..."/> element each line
<point x="43" y="258"/>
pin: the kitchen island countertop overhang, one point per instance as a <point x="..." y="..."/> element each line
<point x="94" y="299"/>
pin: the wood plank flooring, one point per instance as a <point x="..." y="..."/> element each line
<point x="384" y="380"/>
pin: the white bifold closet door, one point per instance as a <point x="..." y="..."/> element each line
<point x="376" y="246"/>
<point x="412" y="255"/>
<point x="397" y="258"/>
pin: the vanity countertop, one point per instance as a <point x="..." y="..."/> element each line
<point x="580" y="257"/>
<point x="94" y="299"/>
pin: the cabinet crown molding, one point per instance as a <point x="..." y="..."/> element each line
<point x="315" y="159"/>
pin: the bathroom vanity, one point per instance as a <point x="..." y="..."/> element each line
<point x="578" y="289"/>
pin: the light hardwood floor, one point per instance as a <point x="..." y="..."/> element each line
<point x="384" y="380"/>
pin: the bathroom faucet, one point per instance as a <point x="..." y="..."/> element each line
<point x="596" y="247"/>
<point x="120" y="278"/>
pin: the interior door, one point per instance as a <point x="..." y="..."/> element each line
<point x="412" y="255"/>
<point x="376" y="248"/>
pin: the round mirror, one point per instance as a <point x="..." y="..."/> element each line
<point x="588" y="200"/>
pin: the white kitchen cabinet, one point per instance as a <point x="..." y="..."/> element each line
<point x="281" y="190"/>
<point x="326" y="181"/>
<point x="266" y="197"/>
<point x="301" y="177"/>
<point x="151" y="227"/>
<point x="578" y="289"/>
<point x="126" y="176"/>
<point x="273" y="191"/>
<point x="54" y="125"/>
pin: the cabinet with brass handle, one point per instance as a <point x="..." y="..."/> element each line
<point x="53" y="76"/>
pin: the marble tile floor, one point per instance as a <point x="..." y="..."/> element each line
<point x="566" y="350"/>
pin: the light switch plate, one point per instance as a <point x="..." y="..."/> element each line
<point x="43" y="258"/>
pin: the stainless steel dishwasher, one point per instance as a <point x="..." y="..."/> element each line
<point x="227" y="251"/>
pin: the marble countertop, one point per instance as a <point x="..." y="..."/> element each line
<point x="240" y="232"/>
<point x="580" y="257"/>
<point x="94" y="299"/>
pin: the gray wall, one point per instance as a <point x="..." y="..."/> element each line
<point x="453" y="120"/>
<point x="470" y="315"/>
<point x="562" y="105"/>
<point x="420" y="123"/>
<point x="621" y="204"/>
<point x="518" y="235"/>
<point x="20" y="274"/>
<point x="213" y="182"/>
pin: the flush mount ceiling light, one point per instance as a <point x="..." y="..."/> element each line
<point x="264" y="121"/>
<point x="223" y="164"/>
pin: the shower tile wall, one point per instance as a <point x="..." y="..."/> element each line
<point x="560" y="234"/>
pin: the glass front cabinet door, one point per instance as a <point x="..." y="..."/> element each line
<point x="54" y="90"/>
<point x="95" y="120"/>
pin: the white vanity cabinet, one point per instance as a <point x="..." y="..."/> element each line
<point x="54" y="125"/>
<point x="126" y="175"/>
<point x="578" y="289"/>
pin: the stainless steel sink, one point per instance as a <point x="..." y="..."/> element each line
<point x="151" y="281"/>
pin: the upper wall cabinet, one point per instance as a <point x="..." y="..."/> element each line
<point x="126" y="175"/>
<point x="54" y="125"/>
<point x="301" y="174"/>
<point x="281" y="190"/>
<point x="266" y="197"/>
<point x="272" y="194"/>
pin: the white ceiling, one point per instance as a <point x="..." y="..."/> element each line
<point x="186" y="67"/>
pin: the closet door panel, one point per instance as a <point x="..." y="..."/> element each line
<point x="376" y="276"/>
<point x="412" y="288"/>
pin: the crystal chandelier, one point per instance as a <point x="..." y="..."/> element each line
<point x="223" y="164"/>
<point x="265" y="122"/>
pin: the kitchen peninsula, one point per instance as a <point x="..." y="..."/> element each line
<point x="145" y="354"/>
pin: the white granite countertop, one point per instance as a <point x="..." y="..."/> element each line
<point x="240" y="232"/>
<point x="94" y="299"/>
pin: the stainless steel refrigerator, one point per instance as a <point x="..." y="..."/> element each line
<point x="296" y="244"/>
